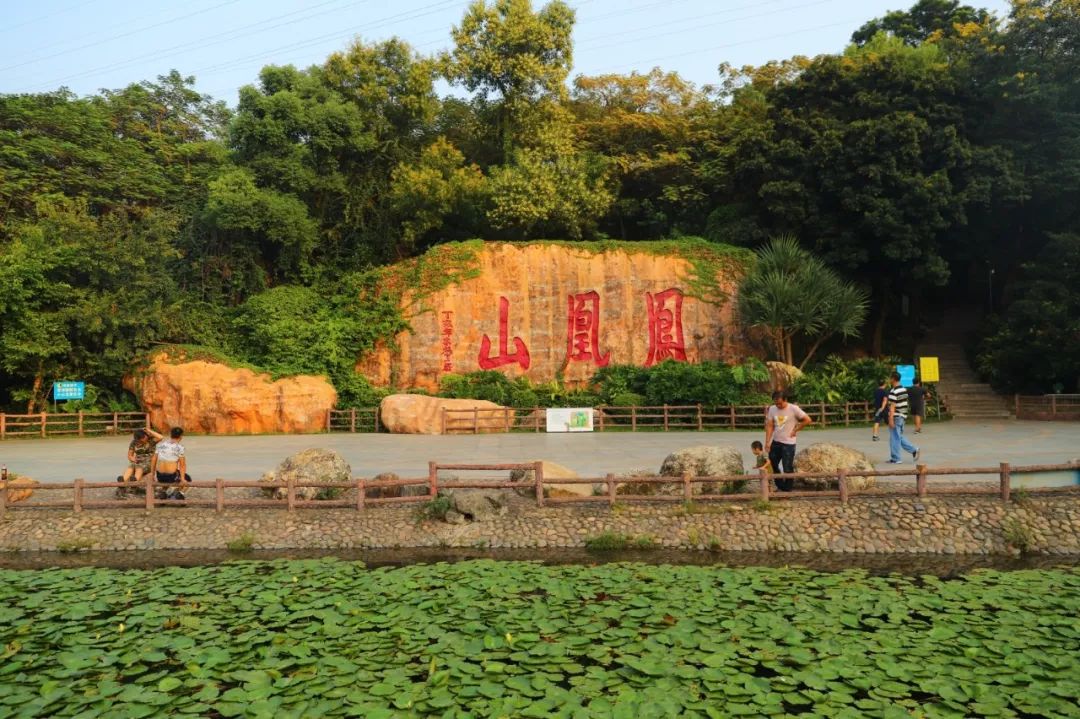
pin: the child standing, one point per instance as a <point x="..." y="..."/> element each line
<point x="761" y="460"/>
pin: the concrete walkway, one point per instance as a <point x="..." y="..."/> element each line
<point x="956" y="443"/>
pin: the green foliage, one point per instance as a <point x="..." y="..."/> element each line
<point x="436" y="509"/>
<point x="707" y="383"/>
<point x="1034" y="347"/>
<point x="792" y="294"/>
<point x="499" y="638"/>
<point x="1017" y="534"/>
<point x="242" y="544"/>
<point x="836" y="380"/>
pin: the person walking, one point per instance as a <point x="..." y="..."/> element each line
<point x="783" y="421"/>
<point x="917" y="395"/>
<point x="898" y="411"/>
<point x="881" y="402"/>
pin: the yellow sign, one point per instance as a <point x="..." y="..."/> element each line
<point x="928" y="370"/>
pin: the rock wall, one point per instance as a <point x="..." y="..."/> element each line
<point x="210" y="398"/>
<point x="549" y="311"/>
<point x="866" y="525"/>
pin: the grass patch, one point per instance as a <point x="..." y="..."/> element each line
<point x="1017" y="534"/>
<point x="77" y="544"/>
<point x="436" y="509"/>
<point x="241" y="544"/>
<point x="614" y="541"/>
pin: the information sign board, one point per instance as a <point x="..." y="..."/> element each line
<point x="569" y="419"/>
<point x="907" y="374"/>
<point x="68" y="390"/>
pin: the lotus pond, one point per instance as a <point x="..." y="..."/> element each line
<point x="328" y="638"/>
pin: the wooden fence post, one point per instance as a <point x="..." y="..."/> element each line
<point x="610" y="480"/>
<point x="847" y="414"/>
<point x="1016" y="406"/>
<point x="1006" y="482"/>
<point x="361" y="494"/>
<point x="506" y="419"/>
<point x="433" y="480"/>
<point x="731" y="409"/>
<point x="539" y="412"/>
<point x="219" y="494"/>
<point x="841" y="478"/>
<point x="77" y="504"/>
<point x="3" y="499"/>
<point x="376" y="413"/>
<point x="146" y="420"/>
<point x="600" y="412"/>
<point x="80" y="423"/>
<point x="538" y="474"/>
<point x="699" y="422"/>
<point x="444" y="420"/>
<point x="824" y="416"/>
<point x="115" y="422"/>
<point x="665" y="417"/>
<point x="290" y="494"/>
<point x="149" y="479"/>
<point x="329" y="420"/>
<point x="1053" y="406"/>
<point x="352" y="420"/>
<point x="920" y="480"/>
<point x="3" y="425"/>
<point x="476" y="420"/>
<point x="44" y="419"/>
<point x="765" y="481"/>
<point x="686" y="487"/>
<point x="633" y="418"/>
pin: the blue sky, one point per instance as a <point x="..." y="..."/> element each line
<point x="86" y="45"/>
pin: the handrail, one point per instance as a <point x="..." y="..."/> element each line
<point x="538" y="485"/>
<point x="45" y="424"/>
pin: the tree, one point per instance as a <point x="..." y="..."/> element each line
<point x="927" y="19"/>
<point x="1035" y="345"/>
<point x="868" y="153"/>
<point x="652" y="129"/>
<point x="792" y="294"/>
<point x="515" y="58"/>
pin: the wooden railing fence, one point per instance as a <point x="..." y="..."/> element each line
<point x="1055" y="407"/>
<point x="81" y="424"/>
<point x="760" y="488"/>
<point x="649" y="418"/>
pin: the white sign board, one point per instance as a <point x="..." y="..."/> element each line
<point x="569" y="419"/>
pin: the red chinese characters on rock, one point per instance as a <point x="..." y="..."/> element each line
<point x="665" y="327"/>
<point x="519" y="356"/>
<point x="447" y="333"/>
<point x="583" y="329"/>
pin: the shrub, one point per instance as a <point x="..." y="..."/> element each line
<point x="628" y="399"/>
<point x="435" y="509"/>
<point x="241" y="544"/>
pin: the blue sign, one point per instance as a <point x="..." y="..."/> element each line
<point x="907" y="374"/>
<point x="68" y="390"/>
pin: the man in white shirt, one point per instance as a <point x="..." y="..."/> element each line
<point x="783" y="421"/>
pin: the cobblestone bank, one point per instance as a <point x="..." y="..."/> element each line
<point x="945" y="525"/>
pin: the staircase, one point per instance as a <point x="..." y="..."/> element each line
<point x="960" y="389"/>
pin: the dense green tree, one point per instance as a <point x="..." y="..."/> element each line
<point x="925" y="20"/>
<point x="1034" y="346"/>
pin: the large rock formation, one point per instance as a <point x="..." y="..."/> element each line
<point x="829" y="457"/>
<point x="420" y="414"/>
<point x="321" y="466"/>
<point x="210" y="398"/>
<point x="559" y="311"/>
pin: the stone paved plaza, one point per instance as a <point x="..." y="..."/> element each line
<point x="955" y="443"/>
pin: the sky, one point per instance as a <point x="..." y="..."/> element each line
<point x="87" y="45"/>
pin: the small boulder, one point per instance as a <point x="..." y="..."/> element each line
<point x="704" y="461"/>
<point x="19" y="489"/>
<point x="829" y="457"/>
<point x="421" y="414"/>
<point x="551" y="471"/>
<point x="320" y="466"/>
<point x="477" y="505"/>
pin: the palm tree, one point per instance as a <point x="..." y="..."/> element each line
<point x="791" y="293"/>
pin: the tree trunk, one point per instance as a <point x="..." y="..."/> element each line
<point x="879" y="330"/>
<point x="35" y="391"/>
<point x="814" y="348"/>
